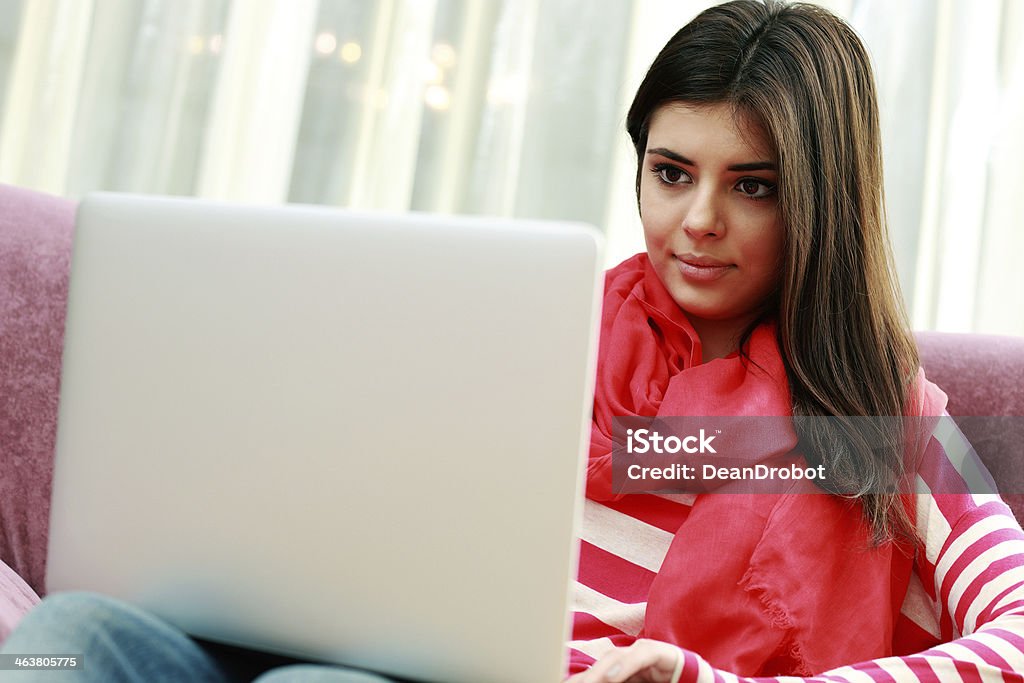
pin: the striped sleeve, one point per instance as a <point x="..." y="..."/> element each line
<point x="622" y="546"/>
<point x="969" y="590"/>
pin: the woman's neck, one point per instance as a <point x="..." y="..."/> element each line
<point x="719" y="338"/>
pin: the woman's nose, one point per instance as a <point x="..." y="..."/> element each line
<point x="703" y="218"/>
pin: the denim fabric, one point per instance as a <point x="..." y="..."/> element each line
<point x="119" y="643"/>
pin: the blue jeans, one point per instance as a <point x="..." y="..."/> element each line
<point x="122" y="644"/>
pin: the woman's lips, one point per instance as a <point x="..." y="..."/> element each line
<point x="702" y="268"/>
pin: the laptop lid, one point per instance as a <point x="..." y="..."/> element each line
<point x="343" y="436"/>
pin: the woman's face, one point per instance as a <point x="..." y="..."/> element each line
<point x="709" y="208"/>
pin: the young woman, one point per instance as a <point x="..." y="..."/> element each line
<point x="767" y="289"/>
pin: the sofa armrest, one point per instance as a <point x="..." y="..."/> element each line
<point x="35" y="251"/>
<point x="984" y="378"/>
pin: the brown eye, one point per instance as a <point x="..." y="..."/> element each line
<point x="752" y="188"/>
<point x="671" y="175"/>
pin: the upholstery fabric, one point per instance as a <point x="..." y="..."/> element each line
<point x="983" y="375"/>
<point x="35" y="246"/>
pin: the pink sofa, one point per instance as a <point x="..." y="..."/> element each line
<point x="983" y="375"/>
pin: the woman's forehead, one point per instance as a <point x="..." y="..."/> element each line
<point x="718" y="129"/>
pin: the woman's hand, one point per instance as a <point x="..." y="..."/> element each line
<point x="645" y="661"/>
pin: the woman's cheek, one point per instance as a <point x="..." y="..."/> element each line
<point x="657" y="222"/>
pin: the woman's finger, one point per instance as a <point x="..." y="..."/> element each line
<point x="608" y="664"/>
<point x="648" y="661"/>
<point x="645" y="661"/>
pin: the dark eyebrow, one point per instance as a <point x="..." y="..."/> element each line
<point x="752" y="166"/>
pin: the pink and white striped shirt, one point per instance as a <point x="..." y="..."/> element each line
<point x="963" y="612"/>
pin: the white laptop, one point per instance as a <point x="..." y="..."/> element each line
<point x="350" y="437"/>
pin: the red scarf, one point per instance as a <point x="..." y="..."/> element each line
<point x="765" y="584"/>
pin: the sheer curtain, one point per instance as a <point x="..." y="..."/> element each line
<point x="951" y="80"/>
<point x="503" y="107"/>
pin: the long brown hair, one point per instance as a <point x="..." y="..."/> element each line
<point x="845" y="339"/>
